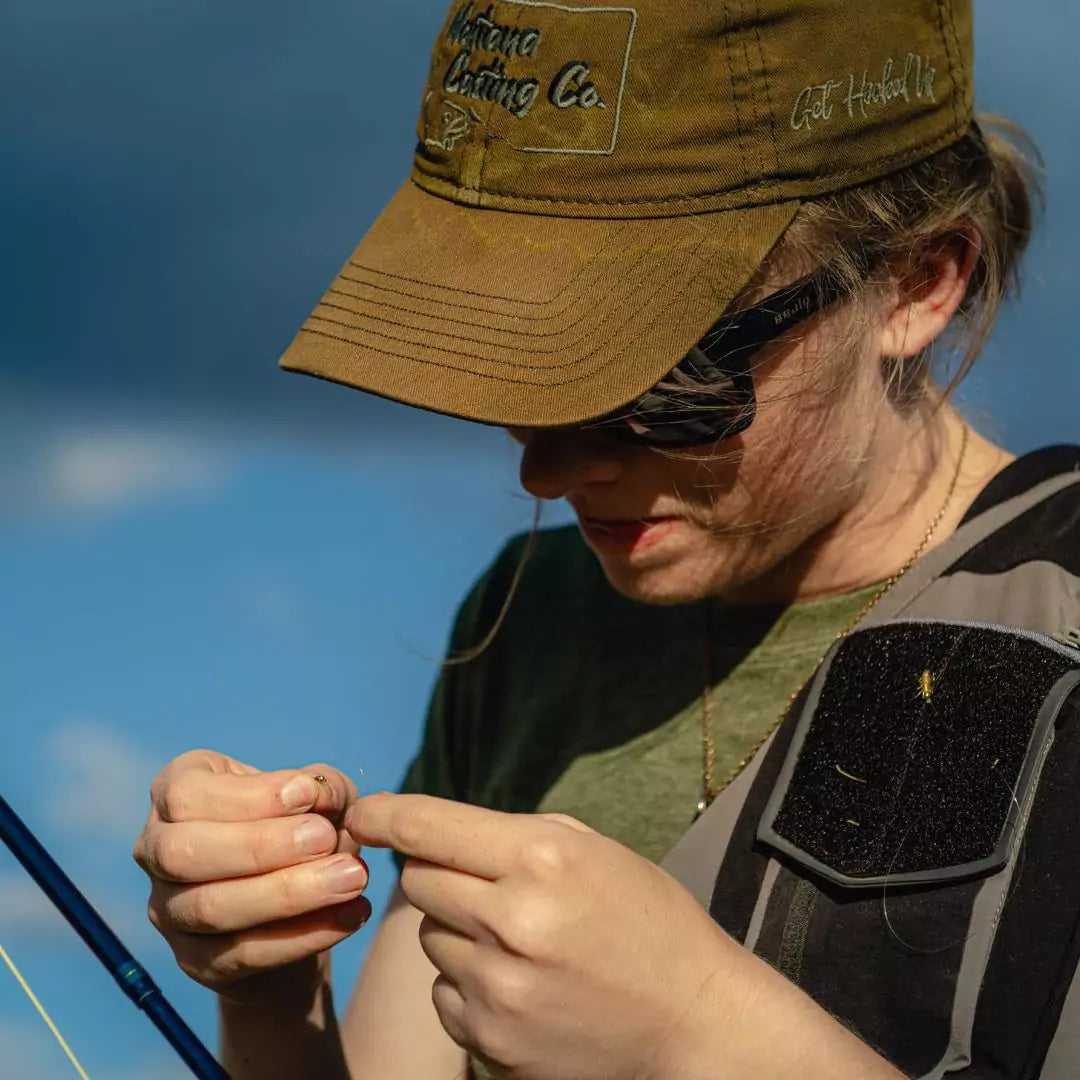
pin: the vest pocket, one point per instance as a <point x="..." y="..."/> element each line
<point x="894" y="826"/>
<point x="917" y="752"/>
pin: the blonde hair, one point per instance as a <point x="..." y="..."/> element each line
<point x="988" y="182"/>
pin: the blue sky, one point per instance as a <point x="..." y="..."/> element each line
<point x="198" y="550"/>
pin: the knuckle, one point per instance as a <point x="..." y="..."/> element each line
<point x="509" y="990"/>
<point x="415" y="875"/>
<point x="293" y="893"/>
<point x="563" y="819"/>
<point x="487" y="1034"/>
<point x="154" y="914"/>
<point x="530" y="928"/>
<point x="233" y="962"/>
<point x="140" y="852"/>
<point x="190" y="967"/>
<point x="544" y="858"/>
<point x="264" y="846"/>
<point x="406" y="830"/>
<point x="172" y="801"/>
<point x="194" y="910"/>
<point x="203" y="966"/>
<point x="171" y="856"/>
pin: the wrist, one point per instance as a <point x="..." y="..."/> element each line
<point x="292" y="990"/>
<point x="721" y="1008"/>
<point x="281" y="1024"/>
<point x="749" y="1021"/>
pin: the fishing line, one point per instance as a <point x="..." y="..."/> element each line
<point x="1013" y="885"/>
<point x="36" y="1002"/>
<point x="132" y="978"/>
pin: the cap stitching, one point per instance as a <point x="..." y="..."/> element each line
<point x="763" y="185"/>
<point x="735" y="100"/>
<point x="763" y="67"/>
<point x="471" y="292"/>
<point x="625" y="272"/>
<point x="945" y="19"/>
<point x="964" y="73"/>
<point x="750" y="82"/>
<point x="627" y="300"/>
<point x="461" y="322"/>
<point x="483" y="375"/>
<point x="450" y="303"/>
<point x="500" y="378"/>
<point x="487" y="375"/>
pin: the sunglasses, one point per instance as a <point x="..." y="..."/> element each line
<point x="710" y="395"/>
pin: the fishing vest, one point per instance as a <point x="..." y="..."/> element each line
<point x="906" y="847"/>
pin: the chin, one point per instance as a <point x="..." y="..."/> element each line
<point x="663" y="586"/>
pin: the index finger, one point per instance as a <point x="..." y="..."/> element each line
<point x="223" y="790"/>
<point x="476" y="841"/>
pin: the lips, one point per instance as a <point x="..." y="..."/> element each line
<point x="625" y="534"/>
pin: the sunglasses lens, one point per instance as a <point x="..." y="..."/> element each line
<point x="682" y="421"/>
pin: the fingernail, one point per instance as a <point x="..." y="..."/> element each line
<point x="314" y="837"/>
<point x="299" y="792"/>
<point x="345" y="876"/>
<point x="353" y="915"/>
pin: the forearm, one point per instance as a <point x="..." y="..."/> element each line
<point x="756" y="1023"/>
<point x="281" y="1036"/>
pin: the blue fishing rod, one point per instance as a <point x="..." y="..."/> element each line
<point x="129" y="974"/>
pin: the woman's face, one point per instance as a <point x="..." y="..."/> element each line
<point x="714" y="522"/>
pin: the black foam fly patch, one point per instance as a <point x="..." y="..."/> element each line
<point x="913" y="755"/>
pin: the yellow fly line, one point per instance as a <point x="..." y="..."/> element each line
<point x="42" y="1013"/>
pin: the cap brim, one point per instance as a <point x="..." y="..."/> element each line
<point x="526" y="320"/>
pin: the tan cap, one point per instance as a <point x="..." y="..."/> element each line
<point x="593" y="185"/>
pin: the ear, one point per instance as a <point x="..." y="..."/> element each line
<point x="928" y="297"/>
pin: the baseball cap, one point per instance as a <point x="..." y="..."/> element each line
<point x="594" y="184"/>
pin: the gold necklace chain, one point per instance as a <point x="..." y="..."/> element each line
<point x="709" y="791"/>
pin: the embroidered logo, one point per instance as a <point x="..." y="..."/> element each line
<point x="542" y="77"/>
<point x="456" y="124"/>
<point x="859" y="97"/>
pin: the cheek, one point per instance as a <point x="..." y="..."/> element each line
<point x="815" y="419"/>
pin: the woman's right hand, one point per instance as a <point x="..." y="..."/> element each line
<point x="251" y="876"/>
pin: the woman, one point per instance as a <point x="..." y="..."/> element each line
<point x="795" y="198"/>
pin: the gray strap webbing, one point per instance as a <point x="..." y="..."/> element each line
<point x="985" y="916"/>
<point x="1063" y="1058"/>
<point x="697" y="857"/>
<point x="932" y="565"/>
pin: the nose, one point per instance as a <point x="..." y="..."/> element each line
<point x="558" y="462"/>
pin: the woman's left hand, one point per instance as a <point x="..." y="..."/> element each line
<point x="562" y="954"/>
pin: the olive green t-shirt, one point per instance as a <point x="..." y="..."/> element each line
<point x="590" y="704"/>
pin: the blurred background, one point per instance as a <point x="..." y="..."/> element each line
<point x="197" y="550"/>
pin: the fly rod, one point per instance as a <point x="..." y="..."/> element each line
<point x="129" y="974"/>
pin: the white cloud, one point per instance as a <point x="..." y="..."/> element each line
<point x="102" y="779"/>
<point x="95" y="469"/>
<point x="77" y="465"/>
<point x="29" y="921"/>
